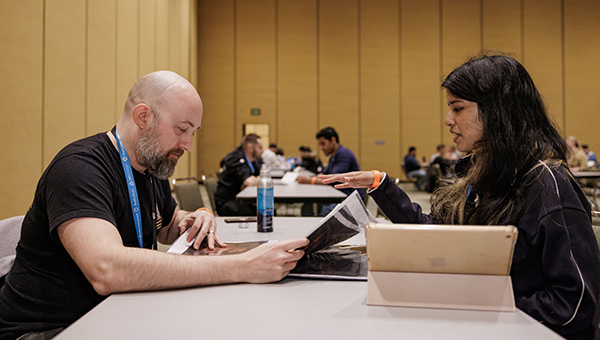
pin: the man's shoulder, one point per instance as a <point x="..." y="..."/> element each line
<point x="233" y="159"/>
<point x="95" y="146"/>
<point x="345" y="152"/>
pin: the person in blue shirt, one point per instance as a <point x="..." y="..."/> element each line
<point x="413" y="167"/>
<point x="591" y="156"/>
<point x="341" y="160"/>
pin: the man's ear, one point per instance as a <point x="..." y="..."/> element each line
<point x="141" y="115"/>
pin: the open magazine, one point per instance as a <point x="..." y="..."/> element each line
<point x="322" y="258"/>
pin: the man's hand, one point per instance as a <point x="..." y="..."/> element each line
<point x="303" y="179"/>
<point x="271" y="261"/>
<point x="201" y="223"/>
<point x="357" y="179"/>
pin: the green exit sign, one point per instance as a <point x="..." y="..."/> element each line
<point x="255" y="112"/>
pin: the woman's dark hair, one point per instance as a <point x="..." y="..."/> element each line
<point x="517" y="134"/>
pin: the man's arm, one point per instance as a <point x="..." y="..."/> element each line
<point x="249" y="181"/>
<point x="96" y="246"/>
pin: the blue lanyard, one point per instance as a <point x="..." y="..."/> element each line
<point x="249" y="163"/>
<point x="133" y="196"/>
<point x="469" y="191"/>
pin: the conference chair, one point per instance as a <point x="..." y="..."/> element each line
<point x="406" y="180"/>
<point x="188" y="194"/>
<point x="211" y="187"/>
<point x="10" y="232"/>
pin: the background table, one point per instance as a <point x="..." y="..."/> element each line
<point x="592" y="189"/>
<point x="297" y="193"/>
<point x="290" y="309"/>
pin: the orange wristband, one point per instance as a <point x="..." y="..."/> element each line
<point x="203" y="208"/>
<point x="377" y="179"/>
<point x="313" y="180"/>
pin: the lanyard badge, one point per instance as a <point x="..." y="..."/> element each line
<point x="131" y="188"/>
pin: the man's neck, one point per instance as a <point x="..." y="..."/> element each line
<point x="335" y="150"/>
<point x="249" y="156"/>
<point x="123" y="135"/>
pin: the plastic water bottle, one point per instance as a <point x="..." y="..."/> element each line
<point x="265" y="201"/>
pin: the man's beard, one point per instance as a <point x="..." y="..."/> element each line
<point x="149" y="155"/>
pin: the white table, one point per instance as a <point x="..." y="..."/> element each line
<point x="297" y="193"/>
<point x="290" y="309"/>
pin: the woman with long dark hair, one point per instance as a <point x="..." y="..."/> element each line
<point x="513" y="173"/>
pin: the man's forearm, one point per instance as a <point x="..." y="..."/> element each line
<point x="134" y="269"/>
<point x="111" y="267"/>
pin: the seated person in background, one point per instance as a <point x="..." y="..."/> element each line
<point x="280" y="156"/>
<point x="341" y="159"/>
<point x="309" y="160"/>
<point x="452" y="154"/>
<point x="79" y="242"/>
<point x="514" y="174"/>
<point x="269" y="157"/>
<point x="413" y="167"/>
<point x="440" y="151"/>
<point x="577" y="159"/>
<point x="591" y="156"/>
<point x="240" y="169"/>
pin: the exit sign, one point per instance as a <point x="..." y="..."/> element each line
<point x="255" y="112"/>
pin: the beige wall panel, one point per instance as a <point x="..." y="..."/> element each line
<point x="101" y="66"/>
<point x="147" y="33"/>
<point x="582" y="70"/>
<point x="216" y="82"/>
<point x="127" y="50"/>
<point x="184" y="26"/>
<point x="338" y="71"/>
<point x="193" y="65"/>
<point x="380" y="86"/>
<point x="542" y="53"/>
<point x="297" y="76"/>
<point x="502" y="26"/>
<point x="21" y="35"/>
<point x="64" y="75"/>
<point x="162" y="34"/>
<point x="421" y="125"/>
<point x="179" y="24"/>
<point x="461" y="39"/>
<point x="255" y="63"/>
<point x="175" y="35"/>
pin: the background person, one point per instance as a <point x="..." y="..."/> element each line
<point x="577" y="159"/>
<point x="79" y="242"/>
<point x="240" y="169"/>
<point x="341" y="159"/>
<point x="413" y="167"/>
<point x="440" y="151"/>
<point x="514" y="174"/>
<point x="269" y="157"/>
<point x="591" y="156"/>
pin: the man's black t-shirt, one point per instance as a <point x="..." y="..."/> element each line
<point x="45" y="289"/>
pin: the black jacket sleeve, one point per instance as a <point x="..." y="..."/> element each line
<point x="397" y="206"/>
<point x="556" y="264"/>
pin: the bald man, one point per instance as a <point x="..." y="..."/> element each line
<point x="99" y="209"/>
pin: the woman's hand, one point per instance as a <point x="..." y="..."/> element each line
<point x="357" y="179"/>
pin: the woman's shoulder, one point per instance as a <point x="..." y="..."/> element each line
<point x="553" y="182"/>
<point x="549" y="172"/>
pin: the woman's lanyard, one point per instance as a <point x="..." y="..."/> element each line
<point x="469" y="191"/>
<point x="133" y="196"/>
